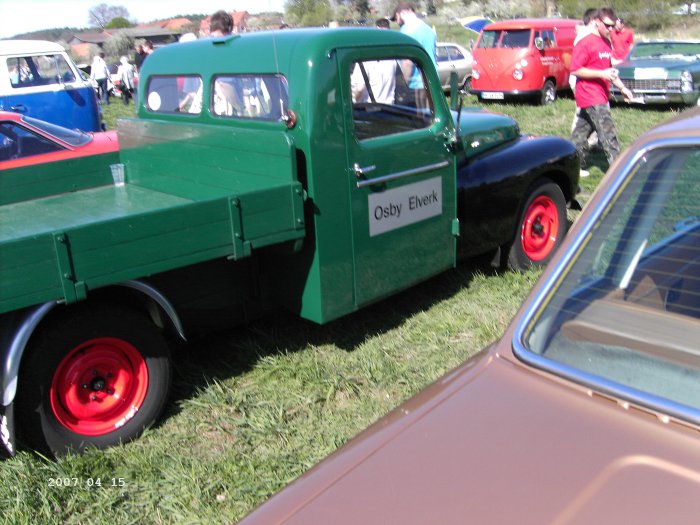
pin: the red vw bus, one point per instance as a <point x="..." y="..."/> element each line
<point x="526" y="57"/>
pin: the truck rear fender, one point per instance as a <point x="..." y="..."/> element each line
<point x="17" y="328"/>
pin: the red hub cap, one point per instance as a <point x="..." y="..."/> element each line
<point x="99" y="386"/>
<point x="540" y="228"/>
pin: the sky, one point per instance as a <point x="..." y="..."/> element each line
<point x="23" y="16"/>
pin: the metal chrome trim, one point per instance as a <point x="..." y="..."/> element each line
<point x="402" y="174"/>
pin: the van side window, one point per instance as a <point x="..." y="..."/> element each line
<point x="547" y="37"/>
<point x="389" y="96"/>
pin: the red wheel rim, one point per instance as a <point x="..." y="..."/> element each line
<point x="538" y="234"/>
<point x="99" y="386"/>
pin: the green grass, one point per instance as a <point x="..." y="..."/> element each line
<point x="255" y="407"/>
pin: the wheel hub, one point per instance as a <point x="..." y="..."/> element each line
<point x="99" y="386"/>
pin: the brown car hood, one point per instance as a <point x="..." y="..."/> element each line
<point x="498" y="442"/>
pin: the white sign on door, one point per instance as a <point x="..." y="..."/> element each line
<point x="404" y="205"/>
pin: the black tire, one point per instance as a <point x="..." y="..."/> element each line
<point x="466" y="87"/>
<point x="541" y="227"/>
<point x="548" y="94"/>
<point x="93" y="376"/>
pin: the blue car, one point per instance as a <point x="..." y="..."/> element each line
<point x="39" y="79"/>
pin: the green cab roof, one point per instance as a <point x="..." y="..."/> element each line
<point x="265" y="51"/>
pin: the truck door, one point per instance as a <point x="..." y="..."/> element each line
<point x="400" y="169"/>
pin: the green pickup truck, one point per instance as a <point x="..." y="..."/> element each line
<point x="262" y="172"/>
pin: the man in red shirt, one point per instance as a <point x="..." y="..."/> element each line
<point x="622" y="41"/>
<point x="591" y="65"/>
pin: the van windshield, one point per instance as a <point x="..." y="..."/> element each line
<point x="39" y="70"/>
<point x="507" y="39"/>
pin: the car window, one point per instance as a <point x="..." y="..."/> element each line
<point x="626" y="315"/>
<point x="443" y="53"/>
<point x="509" y="38"/>
<point x="174" y="94"/>
<point x="455" y="53"/>
<point x="263" y="97"/>
<point x="547" y="37"/>
<point x="389" y="96"/>
<point x="39" y="70"/>
<point x="690" y="50"/>
<point x="17" y="142"/>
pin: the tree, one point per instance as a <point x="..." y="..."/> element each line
<point x="118" y="23"/>
<point x="102" y="14"/>
<point x="308" y="13"/>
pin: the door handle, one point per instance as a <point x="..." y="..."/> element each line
<point x="360" y="171"/>
<point x="19" y="108"/>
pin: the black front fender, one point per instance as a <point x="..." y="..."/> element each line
<point x="492" y="187"/>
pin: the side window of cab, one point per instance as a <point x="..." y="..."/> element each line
<point x="389" y="95"/>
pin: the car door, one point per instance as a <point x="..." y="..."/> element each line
<point x="401" y="173"/>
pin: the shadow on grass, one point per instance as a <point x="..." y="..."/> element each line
<point x="227" y="354"/>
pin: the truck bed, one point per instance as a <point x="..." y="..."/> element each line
<point x="60" y="246"/>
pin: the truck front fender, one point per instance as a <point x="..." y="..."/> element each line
<point x="493" y="186"/>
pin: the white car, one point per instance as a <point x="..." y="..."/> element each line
<point x="454" y="57"/>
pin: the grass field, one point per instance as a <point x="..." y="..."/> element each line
<point x="255" y="407"/>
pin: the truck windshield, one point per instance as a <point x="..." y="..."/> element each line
<point x="507" y="38"/>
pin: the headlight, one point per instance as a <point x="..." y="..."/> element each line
<point x="518" y="74"/>
<point x="686" y="82"/>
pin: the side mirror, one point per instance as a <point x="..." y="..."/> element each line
<point x="539" y="43"/>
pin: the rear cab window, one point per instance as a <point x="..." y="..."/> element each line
<point x="235" y="96"/>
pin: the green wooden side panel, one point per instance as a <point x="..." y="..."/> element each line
<point x="181" y="205"/>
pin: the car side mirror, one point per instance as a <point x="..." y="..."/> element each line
<point x="539" y="43"/>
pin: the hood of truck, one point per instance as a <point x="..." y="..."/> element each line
<point x="481" y="130"/>
<point x="498" y="442"/>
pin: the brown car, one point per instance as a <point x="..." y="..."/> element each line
<point x="587" y="411"/>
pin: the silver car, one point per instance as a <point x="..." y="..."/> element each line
<point x="453" y="57"/>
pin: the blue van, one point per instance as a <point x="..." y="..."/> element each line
<point x="39" y="79"/>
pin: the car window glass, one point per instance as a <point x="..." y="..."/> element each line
<point x="17" y="142"/>
<point x="455" y="54"/>
<point x="443" y="54"/>
<point x="389" y="96"/>
<point x="515" y="39"/>
<point x="627" y="312"/>
<point x="174" y="94"/>
<point x="263" y="97"/>
<point x="39" y="70"/>
<point x="547" y="37"/>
